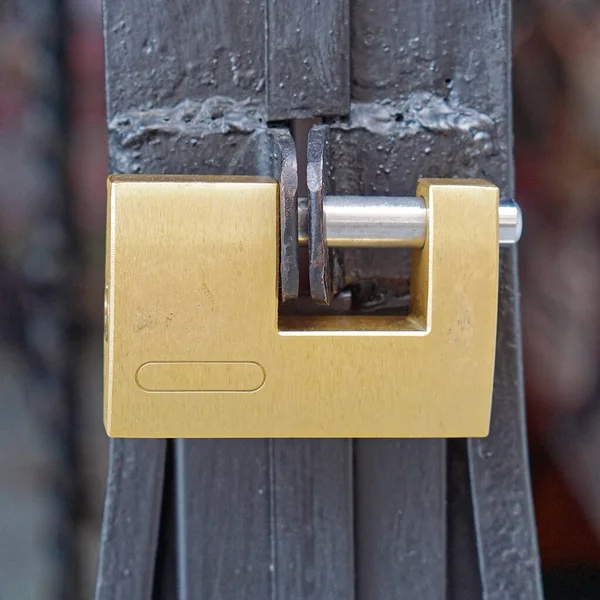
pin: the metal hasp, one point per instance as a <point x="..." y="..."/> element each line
<point x="324" y="221"/>
<point x="196" y="346"/>
<point x="287" y="174"/>
<point x="317" y="170"/>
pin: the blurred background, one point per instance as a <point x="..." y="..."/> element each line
<point x="53" y="165"/>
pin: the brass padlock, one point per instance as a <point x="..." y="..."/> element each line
<point x="195" y="345"/>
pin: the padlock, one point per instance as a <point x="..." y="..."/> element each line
<point x="196" y="344"/>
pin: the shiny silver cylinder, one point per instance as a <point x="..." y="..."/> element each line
<point x="388" y="221"/>
<point x="369" y="221"/>
<point x="510" y="223"/>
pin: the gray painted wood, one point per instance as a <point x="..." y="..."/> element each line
<point x="160" y="53"/>
<point x="464" y="581"/>
<point x="400" y="519"/>
<point x="131" y="519"/>
<point x="224" y="519"/>
<point x="307" y="58"/>
<point x="312" y="519"/>
<point x="502" y="503"/>
<point x="236" y="536"/>
<point x="185" y="91"/>
<point x="431" y="96"/>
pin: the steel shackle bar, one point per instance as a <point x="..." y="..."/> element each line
<point x="388" y="221"/>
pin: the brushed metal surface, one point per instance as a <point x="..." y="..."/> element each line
<point x="192" y="277"/>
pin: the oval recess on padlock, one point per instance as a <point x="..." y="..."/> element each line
<point x="191" y="377"/>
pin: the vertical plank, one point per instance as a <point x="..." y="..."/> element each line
<point x="223" y="515"/>
<point x="464" y="581"/>
<point x="400" y="519"/>
<point x="131" y="519"/>
<point x="400" y="514"/>
<point x="185" y="94"/>
<point x="185" y="87"/>
<point x="307" y="59"/>
<point x="431" y="97"/>
<point x="502" y="501"/>
<point x="160" y="53"/>
<point x="165" y="566"/>
<point x="312" y="496"/>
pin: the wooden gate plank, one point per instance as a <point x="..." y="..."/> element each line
<point x="160" y="53"/>
<point x="179" y="102"/>
<point x="431" y="96"/>
<point x="223" y="515"/>
<point x="131" y="519"/>
<point x="464" y="581"/>
<point x="308" y="59"/>
<point x="400" y="519"/>
<point x="502" y="500"/>
<point x="184" y="96"/>
<point x="312" y="495"/>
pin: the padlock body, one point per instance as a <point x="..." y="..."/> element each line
<point x="195" y="345"/>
